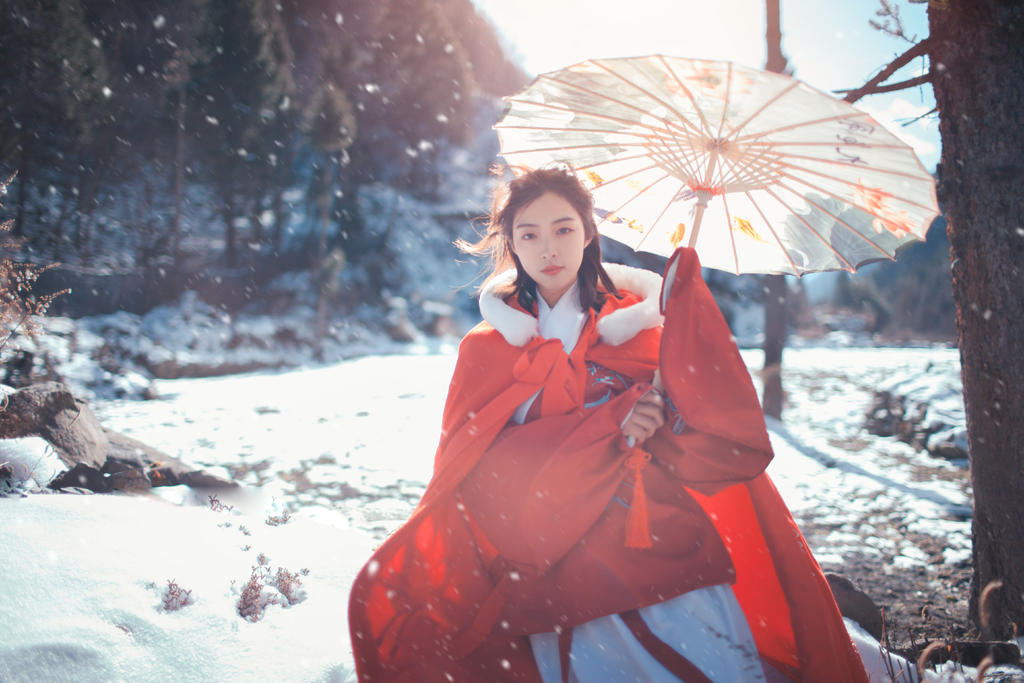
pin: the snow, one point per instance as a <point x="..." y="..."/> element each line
<point x="346" y="449"/>
<point x="83" y="595"/>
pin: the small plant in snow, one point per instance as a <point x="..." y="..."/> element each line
<point x="266" y="587"/>
<point x="279" y="518"/>
<point x="218" y="506"/>
<point x="175" y="597"/>
<point x="290" y="585"/>
<point x="253" y="601"/>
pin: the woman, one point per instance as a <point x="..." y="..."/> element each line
<point x="579" y="524"/>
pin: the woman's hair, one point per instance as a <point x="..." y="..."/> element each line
<point x="594" y="282"/>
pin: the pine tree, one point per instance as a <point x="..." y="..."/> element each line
<point x="425" y="87"/>
<point x="54" y="71"/>
<point x="240" y="84"/>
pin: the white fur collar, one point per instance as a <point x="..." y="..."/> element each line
<point x="615" y="328"/>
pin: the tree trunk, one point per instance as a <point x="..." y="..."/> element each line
<point x="279" y="218"/>
<point x="977" y="61"/>
<point x="774" y="343"/>
<point x="324" y="211"/>
<point x="179" y="176"/>
<point x="230" y="234"/>
<point x="774" y="285"/>
<point x="23" y="178"/>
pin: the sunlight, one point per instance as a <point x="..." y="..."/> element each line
<point x="550" y="35"/>
<point x="828" y="45"/>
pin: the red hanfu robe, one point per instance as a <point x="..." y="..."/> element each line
<point x="521" y="529"/>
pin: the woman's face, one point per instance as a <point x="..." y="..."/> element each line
<point x="548" y="237"/>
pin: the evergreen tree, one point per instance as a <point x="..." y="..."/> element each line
<point x="241" y="83"/>
<point x="54" y="73"/>
<point x="423" y="89"/>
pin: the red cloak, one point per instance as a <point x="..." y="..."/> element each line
<point x="519" y="530"/>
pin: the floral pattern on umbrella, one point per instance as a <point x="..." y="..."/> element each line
<point x="756" y="170"/>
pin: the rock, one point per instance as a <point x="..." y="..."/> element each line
<point x="889" y="415"/>
<point x="972" y="652"/>
<point x="130" y="480"/>
<point x="397" y="323"/>
<point x="949" y="451"/>
<point x="124" y="451"/>
<point x="198" y="479"/>
<point x="100" y="460"/>
<point x="81" y="476"/>
<point x="855" y="604"/>
<point x="51" y="411"/>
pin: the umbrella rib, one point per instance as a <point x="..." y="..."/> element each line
<point x="728" y="217"/>
<point x="755" y="136"/>
<point x="650" y="94"/>
<point x="867" y="145"/>
<point x="634" y="197"/>
<point x="581" y="112"/>
<point x="775" y="98"/>
<point x="555" y="149"/>
<point x="728" y="92"/>
<point x="606" y="183"/>
<point x="661" y="215"/>
<point x="611" y="161"/>
<point x="810" y="227"/>
<point x="785" y="252"/>
<point x="602" y="96"/>
<point x="680" y="156"/>
<point x="732" y="237"/>
<point x="693" y="100"/>
<point x="574" y="130"/>
<point x="744" y="173"/>
<point x="845" y="200"/>
<point x="839" y="220"/>
<point x="847" y="182"/>
<point x="847" y="164"/>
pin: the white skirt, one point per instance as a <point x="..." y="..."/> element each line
<point x="706" y="626"/>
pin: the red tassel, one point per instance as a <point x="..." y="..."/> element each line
<point x="638" y="532"/>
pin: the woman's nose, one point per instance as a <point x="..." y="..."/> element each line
<point x="547" y="247"/>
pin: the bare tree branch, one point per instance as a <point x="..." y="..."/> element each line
<point x="892" y="87"/>
<point x="919" y="50"/>
<point x="892" y="22"/>
<point x="933" y="110"/>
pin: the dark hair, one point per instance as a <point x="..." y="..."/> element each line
<point x="594" y="282"/>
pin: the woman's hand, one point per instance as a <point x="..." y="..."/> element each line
<point x="648" y="414"/>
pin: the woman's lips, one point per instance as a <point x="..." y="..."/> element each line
<point x="552" y="270"/>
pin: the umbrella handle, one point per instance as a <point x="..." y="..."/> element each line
<point x="703" y="197"/>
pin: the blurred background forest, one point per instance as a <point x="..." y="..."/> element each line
<point x="261" y="157"/>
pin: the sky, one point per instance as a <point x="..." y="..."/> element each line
<point x="829" y="44"/>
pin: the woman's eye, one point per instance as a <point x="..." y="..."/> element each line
<point x="565" y="230"/>
<point x="526" y="236"/>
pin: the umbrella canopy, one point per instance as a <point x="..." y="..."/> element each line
<point x="758" y="171"/>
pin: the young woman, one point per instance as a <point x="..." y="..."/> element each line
<point x="580" y="523"/>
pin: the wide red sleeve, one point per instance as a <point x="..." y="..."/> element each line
<point x="701" y="461"/>
<point x="715" y="435"/>
<point x="541" y="485"/>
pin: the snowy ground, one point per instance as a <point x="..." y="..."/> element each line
<point x="347" y="449"/>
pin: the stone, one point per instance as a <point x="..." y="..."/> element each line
<point x="51" y="411"/>
<point x="100" y="460"/>
<point x="855" y="604"/>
